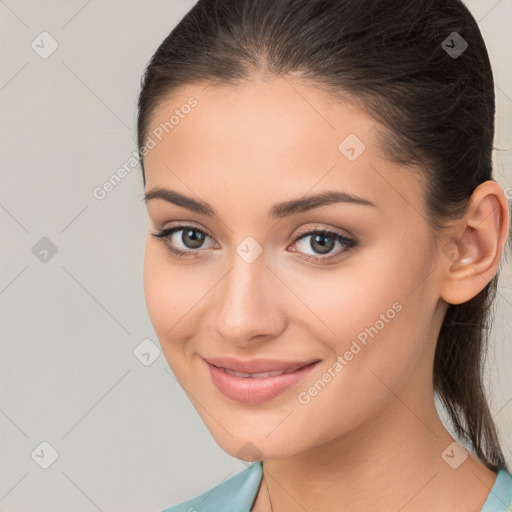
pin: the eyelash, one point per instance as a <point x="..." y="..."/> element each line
<point x="349" y="243"/>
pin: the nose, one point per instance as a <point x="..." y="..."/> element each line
<point x="249" y="303"/>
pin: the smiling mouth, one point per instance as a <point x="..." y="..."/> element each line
<point x="259" y="386"/>
<point x="261" y="375"/>
<point x="259" y="367"/>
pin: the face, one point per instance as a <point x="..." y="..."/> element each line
<point x="346" y="285"/>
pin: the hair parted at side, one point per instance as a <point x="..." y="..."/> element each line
<point x="435" y="111"/>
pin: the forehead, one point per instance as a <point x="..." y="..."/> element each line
<point x="259" y="118"/>
<point x="270" y="137"/>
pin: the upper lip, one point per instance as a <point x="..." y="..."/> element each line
<point x="256" y="365"/>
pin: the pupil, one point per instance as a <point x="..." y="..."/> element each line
<point x="196" y="241"/>
<point x="323" y="247"/>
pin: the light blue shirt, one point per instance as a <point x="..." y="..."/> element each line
<point x="239" y="493"/>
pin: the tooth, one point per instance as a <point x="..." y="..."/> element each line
<point x="260" y="374"/>
<point x="238" y="374"/>
<point x="254" y="375"/>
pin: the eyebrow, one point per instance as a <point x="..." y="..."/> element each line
<point x="278" y="211"/>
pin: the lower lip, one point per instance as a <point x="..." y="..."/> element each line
<point x="254" y="390"/>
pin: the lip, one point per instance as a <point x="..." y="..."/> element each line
<point x="256" y="365"/>
<point x="261" y="388"/>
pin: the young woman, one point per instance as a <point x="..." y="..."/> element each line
<point x="324" y="240"/>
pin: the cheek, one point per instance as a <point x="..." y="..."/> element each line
<point x="175" y="297"/>
<point x="367" y="313"/>
<point x="376" y="348"/>
<point x="159" y="302"/>
<point x="167" y="295"/>
<point x="163" y="292"/>
<point x="344" y="302"/>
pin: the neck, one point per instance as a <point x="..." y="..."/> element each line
<point x="379" y="466"/>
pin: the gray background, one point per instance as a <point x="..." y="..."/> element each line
<point x="126" y="435"/>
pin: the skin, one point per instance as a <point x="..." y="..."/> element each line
<point x="372" y="436"/>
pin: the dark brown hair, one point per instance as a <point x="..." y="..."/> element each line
<point x="435" y="109"/>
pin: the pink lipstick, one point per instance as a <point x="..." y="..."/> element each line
<point x="256" y="380"/>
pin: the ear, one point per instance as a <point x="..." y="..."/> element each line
<point x="473" y="254"/>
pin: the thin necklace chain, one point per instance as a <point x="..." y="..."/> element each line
<point x="268" y="492"/>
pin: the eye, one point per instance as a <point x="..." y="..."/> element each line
<point x="323" y="241"/>
<point x="191" y="238"/>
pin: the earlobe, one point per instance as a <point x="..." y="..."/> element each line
<point x="472" y="256"/>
